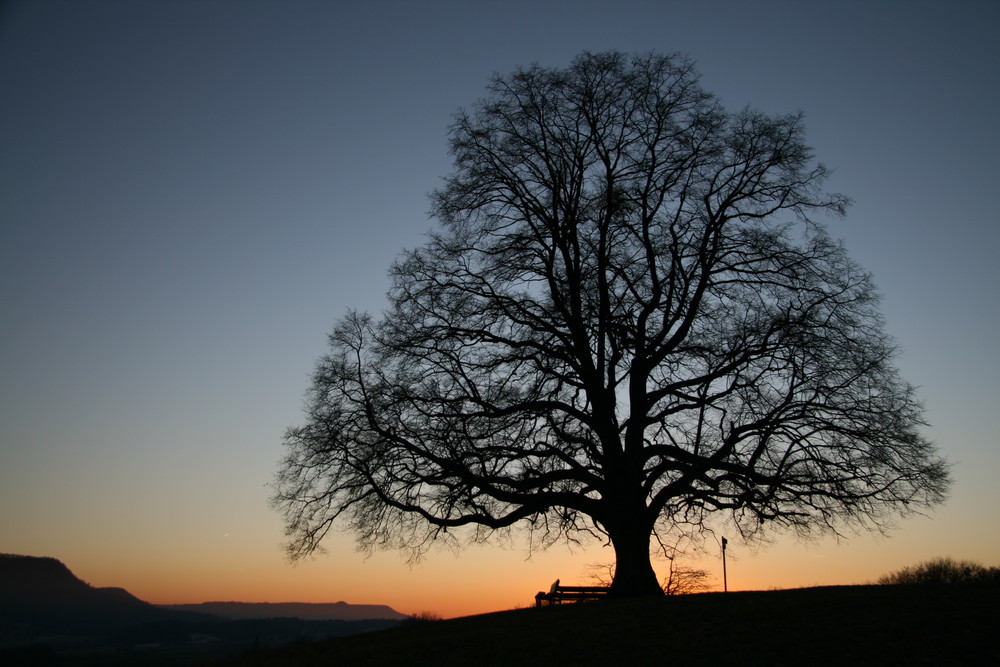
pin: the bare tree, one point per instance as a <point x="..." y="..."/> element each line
<point x="630" y="320"/>
<point x="600" y="574"/>
<point x="681" y="580"/>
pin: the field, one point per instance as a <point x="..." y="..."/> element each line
<point x="840" y="625"/>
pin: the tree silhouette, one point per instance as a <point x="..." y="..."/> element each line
<point x="680" y="578"/>
<point x="943" y="571"/>
<point x="629" y="321"/>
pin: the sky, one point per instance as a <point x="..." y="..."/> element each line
<point x="193" y="192"/>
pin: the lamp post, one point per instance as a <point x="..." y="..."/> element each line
<point x="725" y="584"/>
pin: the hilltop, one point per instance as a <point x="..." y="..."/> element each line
<point x="839" y="625"/>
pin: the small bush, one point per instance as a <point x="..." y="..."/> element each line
<point x="944" y="571"/>
<point x="424" y="616"/>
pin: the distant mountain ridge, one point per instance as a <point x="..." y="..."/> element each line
<point x="334" y="611"/>
<point x="40" y="595"/>
<point x="48" y="616"/>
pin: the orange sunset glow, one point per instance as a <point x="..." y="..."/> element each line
<point x="192" y="194"/>
<point x="476" y="580"/>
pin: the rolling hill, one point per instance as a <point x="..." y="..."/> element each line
<point x="834" y="625"/>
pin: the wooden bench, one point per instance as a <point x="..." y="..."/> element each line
<point x="559" y="594"/>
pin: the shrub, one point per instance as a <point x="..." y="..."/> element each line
<point x="944" y="571"/>
<point x="423" y="616"/>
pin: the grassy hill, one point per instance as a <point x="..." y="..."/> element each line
<point x="841" y="625"/>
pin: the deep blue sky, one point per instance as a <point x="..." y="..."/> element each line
<point x="191" y="192"/>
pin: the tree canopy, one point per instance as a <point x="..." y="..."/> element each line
<point x="630" y="320"/>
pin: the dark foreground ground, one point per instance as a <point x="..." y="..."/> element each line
<point x="842" y="625"/>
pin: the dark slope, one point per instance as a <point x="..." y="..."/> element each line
<point x="844" y="625"/>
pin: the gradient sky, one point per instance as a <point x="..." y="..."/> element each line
<point x="192" y="192"/>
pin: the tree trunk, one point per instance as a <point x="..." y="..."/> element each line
<point x="634" y="575"/>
